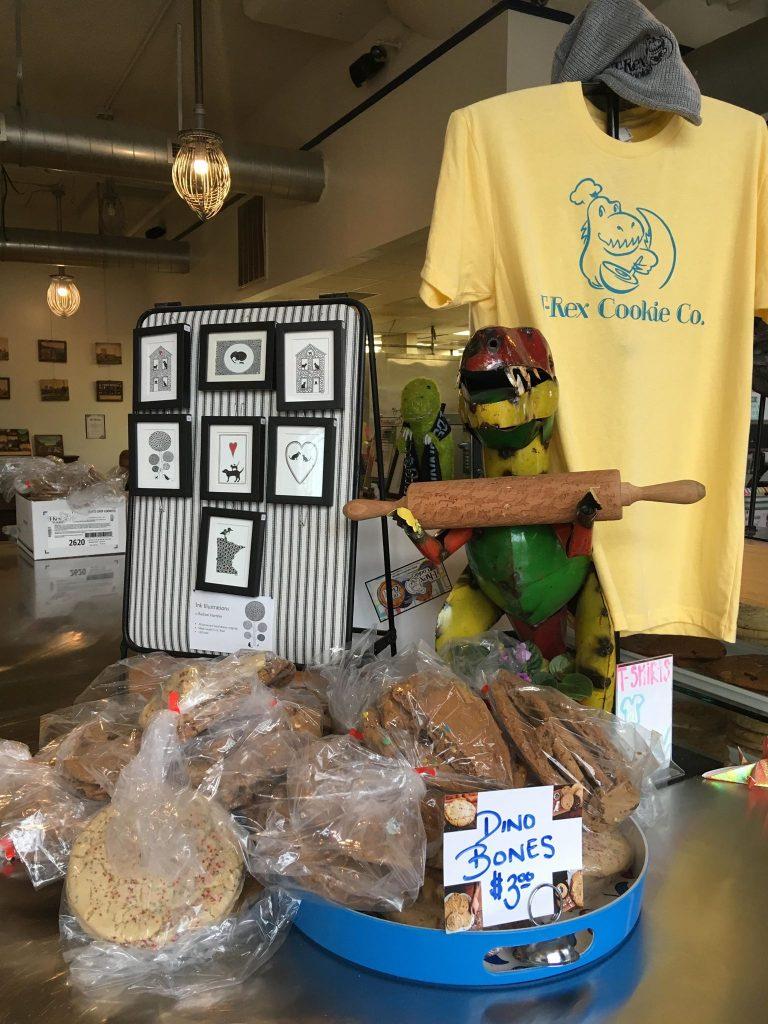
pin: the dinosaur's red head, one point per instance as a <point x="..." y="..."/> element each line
<point x="505" y="357"/>
<point x="508" y="391"/>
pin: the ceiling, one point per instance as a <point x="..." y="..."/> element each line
<point x="91" y="58"/>
<point x="387" y="280"/>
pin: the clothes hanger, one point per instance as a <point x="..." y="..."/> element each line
<point x="606" y="99"/>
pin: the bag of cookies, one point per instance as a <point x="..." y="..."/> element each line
<point x="40" y="817"/>
<point x="245" y="752"/>
<point x="153" y="894"/>
<point x="350" y="831"/>
<point x="89" y="744"/>
<point x="560" y="741"/>
<point x="412" y="704"/>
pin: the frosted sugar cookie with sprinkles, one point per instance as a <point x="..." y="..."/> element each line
<point x="136" y="907"/>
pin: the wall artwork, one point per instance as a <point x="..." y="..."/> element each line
<point x="229" y="551"/>
<point x="302" y="457"/>
<point x="5" y="387"/>
<point x="161" y="367"/>
<point x="54" y="390"/>
<point x="309" y="366"/>
<point x="109" y="391"/>
<point x="95" y="426"/>
<point x="51" y="351"/>
<point x="236" y="356"/>
<point x="160" y="455"/>
<point x="232" y="458"/>
<point x="4" y="355"/>
<point x="49" y="444"/>
<point x="109" y="353"/>
<point x="14" y="441"/>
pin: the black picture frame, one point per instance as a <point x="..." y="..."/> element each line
<point x="109" y="390"/>
<point x="276" y="497"/>
<point x="183" y="334"/>
<point x="251" y="588"/>
<point x="336" y="402"/>
<point x="184" y="490"/>
<point x="235" y="383"/>
<point x="258" y="425"/>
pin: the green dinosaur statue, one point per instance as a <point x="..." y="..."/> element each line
<point x="425" y="440"/>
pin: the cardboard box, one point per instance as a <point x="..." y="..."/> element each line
<point x="52" y="529"/>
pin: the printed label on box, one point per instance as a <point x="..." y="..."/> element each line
<point x="226" y="623"/>
<point x="96" y="529"/>
<point x="511" y="855"/>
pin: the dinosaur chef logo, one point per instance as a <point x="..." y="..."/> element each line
<point x="622" y="248"/>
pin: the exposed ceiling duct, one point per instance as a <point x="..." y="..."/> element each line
<point x="733" y="67"/>
<point x="143" y="154"/>
<point x="72" y="249"/>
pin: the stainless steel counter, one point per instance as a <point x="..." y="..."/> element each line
<point x="697" y="954"/>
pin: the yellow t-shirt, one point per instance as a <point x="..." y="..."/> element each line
<point x="642" y="263"/>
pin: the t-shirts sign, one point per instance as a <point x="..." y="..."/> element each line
<point x="511" y="855"/>
<point x="644" y="697"/>
<point x="643" y="263"/>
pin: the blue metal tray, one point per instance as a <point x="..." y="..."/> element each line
<point x="478" y="959"/>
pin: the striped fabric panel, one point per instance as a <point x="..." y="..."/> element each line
<point x="307" y="550"/>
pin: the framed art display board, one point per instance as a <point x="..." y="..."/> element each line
<point x="246" y="436"/>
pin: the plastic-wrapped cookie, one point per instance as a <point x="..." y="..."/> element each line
<point x="605" y="853"/>
<point x="136" y="908"/>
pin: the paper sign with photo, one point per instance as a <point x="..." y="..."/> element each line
<point x="510" y="855"/>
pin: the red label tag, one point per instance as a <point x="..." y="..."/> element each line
<point x="356" y="734"/>
<point x="7" y="848"/>
<point x="173" y="701"/>
<point x="427" y="771"/>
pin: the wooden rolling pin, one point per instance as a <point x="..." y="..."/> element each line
<point x="522" y="500"/>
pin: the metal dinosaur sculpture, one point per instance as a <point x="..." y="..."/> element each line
<point x="533" y="574"/>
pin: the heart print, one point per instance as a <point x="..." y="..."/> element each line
<point x="301" y="458"/>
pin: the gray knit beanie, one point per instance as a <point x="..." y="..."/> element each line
<point x="620" y="43"/>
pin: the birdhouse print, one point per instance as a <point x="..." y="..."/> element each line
<point x="160" y="369"/>
<point x="310" y="370"/>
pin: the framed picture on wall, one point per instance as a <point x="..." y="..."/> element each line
<point x="51" y="351"/>
<point x="160" y="455"/>
<point x="109" y="353"/>
<point x="95" y="426"/>
<point x="4" y="355"/>
<point x="14" y="441"/>
<point x="232" y="458"/>
<point x="309" y="366"/>
<point x="54" y="390"/>
<point x="5" y="387"/>
<point x="161" y="367"/>
<point x="236" y="356"/>
<point x="109" y="391"/>
<point x="229" y="551"/>
<point x="301" y="461"/>
<point x="49" y="444"/>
